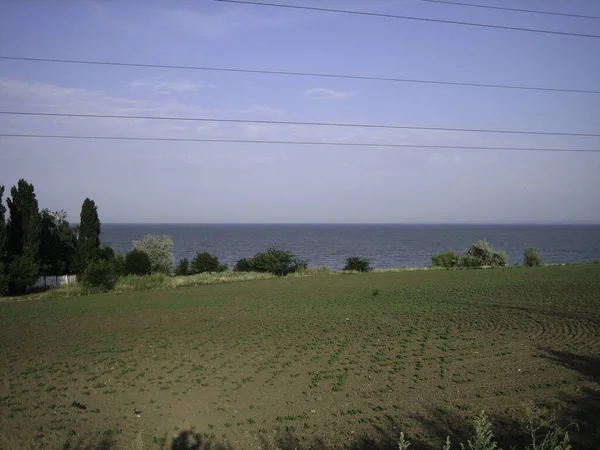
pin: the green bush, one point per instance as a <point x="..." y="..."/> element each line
<point x="137" y="262"/>
<point x="223" y="268"/>
<point x="204" y="262"/>
<point x="23" y="272"/>
<point x="276" y="261"/>
<point x="445" y="259"/>
<point x="119" y="264"/>
<point x="3" y="280"/>
<point x="183" y="268"/>
<point x="482" y="254"/>
<point x="106" y="253"/>
<point x="358" y="264"/>
<point x="99" y="276"/>
<point x="160" y="251"/>
<point x="243" y="265"/>
<point x="531" y="258"/>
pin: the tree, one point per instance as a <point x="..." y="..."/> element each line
<point x="446" y="259"/>
<point x="183" y="268"/>
<point x="277" y="262"/>
<point x="358" y="264"/>
<point x="88" y="237"/>
<point x="58" y="244"/>
<point x="243" y="265"/>
<point x="137" y="262"/>
<point x="2" y="225"/>
<point x="23" y="237"/>
<point x="204" y="262"/>
<point x="481" y="254"/>
<point x="531" y="258"/>
<point x="99" y="276"/>
<point x="160" y="251"/>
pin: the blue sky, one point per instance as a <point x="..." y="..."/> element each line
<point x="138" y="181"/>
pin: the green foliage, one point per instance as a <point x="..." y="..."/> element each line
<point x="106" y="253"/>
<point x="119" y="264"/>
<point x="531" y="258"/>
<point x="99" y="276"/>
<point x="160" y="251"/>
<point x="447" y="260"/>
<point x="4" y="279"/>
<point x="137" y="262"/>
<point x="58" y="244"/>
<point x="25" y="221"/>
<point x="88" y="238"/>
<point x="222" y="268"/>
<point x="204" y="262"/>
<point x="243" y="265"/>
<point x="276" y="261"/>
<point x="483" y="439"/>
<point x="481" y="254"/>
<point x="358" y="264"/>
<point x="2" y="223"/>
<point x="183" y="268"/>
<point x="23" y="271"/>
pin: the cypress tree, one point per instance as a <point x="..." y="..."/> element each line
<point x="23" y="237"/>
<point x="88" y="238"/>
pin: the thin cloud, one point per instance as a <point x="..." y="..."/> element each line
<point x="160" y="86"/>
<point x="324" y="93"/>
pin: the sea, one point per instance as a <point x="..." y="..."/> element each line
<point x="386" y="246"/>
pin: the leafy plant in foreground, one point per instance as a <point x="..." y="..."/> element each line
<point x="204" y="262"/>
<point x="183" y="268"/>
<point x="278" y="262"/>
<point x="446" y="260"/>
<point x="99" y="275"/>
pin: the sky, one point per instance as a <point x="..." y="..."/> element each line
<point x="208" y="182"/>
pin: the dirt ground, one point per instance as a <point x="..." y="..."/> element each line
<point x="322" y="362"/>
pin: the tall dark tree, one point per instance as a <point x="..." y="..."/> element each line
<point x="88" y="238"/>
<point x="57" y="247"/>
<point x="2" y="225"/>
<point x="23" y="240"/>
<point x="3" y="266"/>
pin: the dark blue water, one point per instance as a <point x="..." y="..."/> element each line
<point x="385" y="245"/>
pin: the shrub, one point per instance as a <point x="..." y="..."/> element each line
<point x="531" y="258"/>
<point x="3" y="280"/>
<point x="358" y="264"/>
<point x="223" y="268"/>
<point x="22" y="273"/>
<point x="99" y="276"/>
<point x="243" y="265"/>
<point x="204" y="262"/>
<point x="183" y="268"/>
<point x="445" y="259"/>
<point x="481" y="254"/>
<point x="119" y="264"/>
<point x="278" y="262"/>
<point x="106" y="253"/>
<point x="160" y="251"/>
<point x="137" y="262"/>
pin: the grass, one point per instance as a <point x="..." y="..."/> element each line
<point x="311" y="355"/>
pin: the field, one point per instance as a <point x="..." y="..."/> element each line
<point x="323" y="361"/>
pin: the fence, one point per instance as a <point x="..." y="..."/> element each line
<point x="52" y="281"/>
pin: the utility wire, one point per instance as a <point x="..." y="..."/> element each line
<point x="340" y="144"/>
<point x="300" y="74"/>
<point x="422" y="19"/>
<point x="502" y="8"/>
<point x="286" y="122"/>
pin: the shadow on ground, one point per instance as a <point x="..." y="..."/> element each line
<point x="581" y="408"/>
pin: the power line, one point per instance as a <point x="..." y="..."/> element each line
<point x="301" y="74"/>
<point x="339" y="144"/>
<point x="286" y="122"/>
<point x="421" y="19"/>
<point x="532" y="11"/>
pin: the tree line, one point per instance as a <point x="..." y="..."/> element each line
<point x="36" y="243"/>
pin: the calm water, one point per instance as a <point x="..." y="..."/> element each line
<point x="385" y="245"/>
